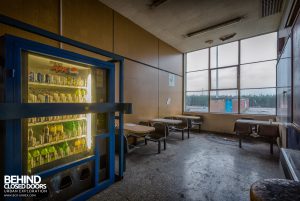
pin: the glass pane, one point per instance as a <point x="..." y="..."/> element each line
<point x="102" y="123"/>
<point x="259" y="48"/>
<point x="57" y="140"/>
<point x="287" y="52"/>
<point x="103" y="149"/>
<point x="196" y="101"/>
<point x="197" y="81"/>
<point x="225" y="101"/>
<point x="197" y="60"/>
<point x="228" y="54"/>
<point x="258" y="101"/>
<point x="258" y="75"/>
<point x="284" y="102"/>
<point x="224" y="78"/>
<point x="54" y="80"/>
<point x="213" y="57"/>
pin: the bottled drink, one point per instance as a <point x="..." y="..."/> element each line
<point x="52" y="135"/>
<point x="36" y="158"/>
<point x="61" y="151"/>
<point x="30" y="162"/>
<point x="66" y="149"/>
<point x="79" y="129"/>
<point x="52" y="153"/>
<point x="60" y="131"/>
<point x="74" y="129"/>
<point x="30" y="137"/>
<point x="44" y="156"/>
<point x="46" y="134"/>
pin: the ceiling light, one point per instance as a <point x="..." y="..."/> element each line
<point x="156" y="3"/>
<point x="227" y="36"/>
<point x="216" y="26"/>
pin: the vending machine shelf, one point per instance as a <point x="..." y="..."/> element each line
<point x="46" y="85"/>
<point x="55" y="142"/>
<point x="56" y="121"/>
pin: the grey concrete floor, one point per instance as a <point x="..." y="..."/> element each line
<point x="205" y="167"/>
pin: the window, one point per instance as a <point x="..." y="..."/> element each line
<point x="218" y="80"/>
<point x="197" y="81"/>
<point x="224" y="101"/>
<point x="259" y="48"/>
<point x="197" y="60"/>
<point x="258" y="75"/>
<point x="228" y="55"/>
<point x="197" y="101"/>
<point x="224" y="78"/>
<point x="258" y="101"/>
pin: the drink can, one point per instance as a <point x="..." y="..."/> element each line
<point x="46" y="98"/>
<point x="40" y="77"/>
<point x="47" y="78"/>
<point x="31" y="76"/>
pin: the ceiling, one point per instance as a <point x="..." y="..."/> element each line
<point x="173" y="19"/>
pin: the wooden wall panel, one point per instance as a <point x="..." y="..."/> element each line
<point x="172" y="92"/>
<point x="134" y="42"/>
<point x="89" y="22"/>
<point x="170" y="59"/>
<point x="141" y="89"/>
<point x="43" y="14"/>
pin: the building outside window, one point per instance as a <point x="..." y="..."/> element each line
<point x="237" y="77"/>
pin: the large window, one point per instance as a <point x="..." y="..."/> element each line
<point x="237" y="77"/>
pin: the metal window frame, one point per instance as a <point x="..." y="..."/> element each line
<point x="238" y="66"/>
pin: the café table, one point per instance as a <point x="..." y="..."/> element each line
<point x="187" y="117"/>
<point x="136" y="131"/>
<point x="192" y="120"/>
<point x="257" y="122"/>
<point x="266" y="129"/>
<point x="167" y="121"/>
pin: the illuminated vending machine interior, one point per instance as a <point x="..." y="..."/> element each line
<point x="56" y="140"/>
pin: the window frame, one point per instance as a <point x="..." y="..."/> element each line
<point x="238" y="66"/>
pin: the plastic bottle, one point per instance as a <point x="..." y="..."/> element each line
<point x="36" y="158"/>
<point x="44" y="156"/>
<point x="30" y="162"/>
<point x="52" y="153"/>
<point x="60" y="131"/>
<point x="52" y="135"/>
<point x="46" y="134"/>
<point x="66" y="149"/>
<point x="30" y="137"/>
<point x="79" y="129"/>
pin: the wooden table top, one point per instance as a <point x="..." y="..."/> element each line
<point x="167" y="121"/>
<point x="257" y="122"/>
<point x="138" y="129"/>
<point x="187" y="117"/>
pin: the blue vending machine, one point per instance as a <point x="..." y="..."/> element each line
<point x="60" y="113"/>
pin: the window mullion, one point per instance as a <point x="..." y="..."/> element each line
<point x="239" y="77"/>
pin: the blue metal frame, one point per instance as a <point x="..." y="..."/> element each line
<point x="13" y="62"/>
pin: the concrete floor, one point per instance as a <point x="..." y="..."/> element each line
<point x="204" y="167"/>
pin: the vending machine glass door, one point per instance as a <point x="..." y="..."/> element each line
<point x="51" y="141"/>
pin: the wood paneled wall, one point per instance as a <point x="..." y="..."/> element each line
<point x="91" y="22"/>
<point x="134" y="42"/>
<point x="43" y="14"/>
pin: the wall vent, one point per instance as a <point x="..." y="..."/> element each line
<point x="270" y="7"/>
